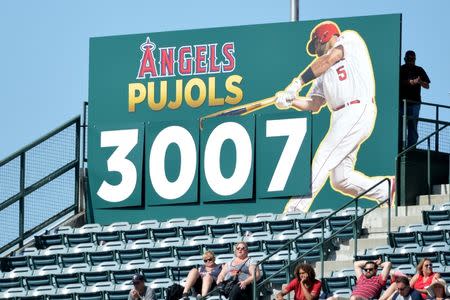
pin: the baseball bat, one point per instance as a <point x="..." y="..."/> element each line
<point x="240" y="110"/>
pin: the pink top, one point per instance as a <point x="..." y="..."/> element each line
<point x="420" y="284"/>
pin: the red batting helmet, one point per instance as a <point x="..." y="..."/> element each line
<point x="323" y="33"/>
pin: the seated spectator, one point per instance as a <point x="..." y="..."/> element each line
<point x="140" y="291"/>
<point x="438" y="290"/>
<point x="368" y="283"/>
<point x="424" y="277"/>
<point x="245" y="270"/>
<point x="305" y="284"/>
<point x="395" y="274"/>
<point x="204" y="278"/>
<point x="404" y="290"/>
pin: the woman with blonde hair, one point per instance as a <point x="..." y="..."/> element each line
<point x="424" y="277"/>
<point x="204" y="278"/>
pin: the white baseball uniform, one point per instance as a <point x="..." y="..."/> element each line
<point x="349" y="90"/>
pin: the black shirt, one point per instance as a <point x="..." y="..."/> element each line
<point x="408" y="91"/>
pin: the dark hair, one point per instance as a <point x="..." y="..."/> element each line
<point x="409" y="53"/>
<point x="370" y="263"/>
<point x="308" y="269"/>
<point x="402" y="279"/>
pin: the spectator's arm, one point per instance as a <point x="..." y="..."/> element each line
<point x="387" y="265"/>
<point x="253" y="272"/>
<point x="285" y="290"/>
<point x="222" y="274"/>
<point x="313" y="295"/>
<point x="358" y="265"/>
<point x="413" y="280"/>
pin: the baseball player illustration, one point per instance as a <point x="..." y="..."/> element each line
<point x="342" y="78"/>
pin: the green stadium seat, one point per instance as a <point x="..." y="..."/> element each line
<point x="183" y="252"/>
<point x="398" y="239"/>
<point x="90" y="278"/>
<point x="7" y="283"/>
<point x="431" y="217"/>
<point x="192" y="231"/>
<point x="83" y="248"/>
<point x="62" y="280"/>
<point x="277" y="226"/>
<point x="127" y="255"/>
<point x="75" y="239"/>
<point x="136" y="234"/>
<point x="90" y="296"/>
<point x="199" y="240"/>
<point x="429" y="237"/>
<point x="40" y="261"/>
<point x="163" y="233"/>
<point x="96" y="258"/>
<point x="159" y="252"/>
<point x="42" y="291"/>
<point x="48" y="270"/>
<point x="106" y="236"/>
<point x="77" y="268"/>
<point x="218" y="230"/>
<point x="69" y="259"/>
<point x="332" y="284"/>
<point x="121" y="276"/>
<point x="135" y="264"/>
<point x="159" y="286"/>
<point x="151" y="273"/>
<point x="117" y="227"/>
<point x="35" y="281"/>
<point x="45" y="241"/>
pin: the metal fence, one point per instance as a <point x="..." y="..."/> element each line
<point x="39" y="184"/>
<point x="432" y="117"/>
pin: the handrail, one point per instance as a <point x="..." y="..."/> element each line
<point x="408" y="149"/>
<point x="427" y="103"/>
<point x="321" y="223"/>
<point x="40" y="140"/>
<point x="421" y="141"/>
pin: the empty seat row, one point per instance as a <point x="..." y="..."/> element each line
<point x="78" y="291"/>
<point x="438" y="253"/>
<point x="207" y="225"/>
<point x="423" y="238"/>
<point x="169" y="247"/>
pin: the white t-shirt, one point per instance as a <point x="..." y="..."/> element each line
<point x="349" y="79"/>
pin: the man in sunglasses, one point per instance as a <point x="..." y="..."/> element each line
<point x="140" y="291"/>
<point x="369" y="284"/>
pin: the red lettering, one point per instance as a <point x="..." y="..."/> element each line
<point x="147" y="61"/>
<point x="213" y="67"/>
<point x="185" y="60"/>
<point x="228" y="53"/>
<point x="200" y="59"/>
<point x="167" y="61"/>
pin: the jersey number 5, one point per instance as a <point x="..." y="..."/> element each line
<point x="342" y="74"/>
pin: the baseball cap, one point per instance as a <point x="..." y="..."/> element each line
<point x="137" y="278"/>
<point x="323" y="33"/>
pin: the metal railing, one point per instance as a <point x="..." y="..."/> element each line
<point x="430" y="123"/>
<point x="39" y="184"/>
<point x="321" y="224"/>
<point x="403" y="153"/>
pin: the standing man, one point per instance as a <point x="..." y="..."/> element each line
<point x="343" y="79"/>
<point x="140" y="291"/>
<point x="412" y="79"/>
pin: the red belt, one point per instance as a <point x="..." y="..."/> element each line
<point x="346" y="104"/>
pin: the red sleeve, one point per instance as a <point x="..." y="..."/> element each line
<point x="316" y="288"/>
<point x="381" y="280"/>
<point x="291" y="286"/>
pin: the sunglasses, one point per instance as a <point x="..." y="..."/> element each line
<point x="241" y="248"/>
<point x="428" y="266"/>
<point x="369" y="269"/>
<point x="208" y="259"/>
<point x="401" y="289"/>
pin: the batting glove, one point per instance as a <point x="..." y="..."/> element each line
<point x="294" y="88"/>
<point x="283" y="100"/>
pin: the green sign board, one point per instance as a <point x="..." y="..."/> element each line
<point x="248" y="119"/>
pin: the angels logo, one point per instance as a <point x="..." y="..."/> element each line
<point x="186" y="60"/>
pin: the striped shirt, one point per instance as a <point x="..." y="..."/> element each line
<point x="369" y="287"/>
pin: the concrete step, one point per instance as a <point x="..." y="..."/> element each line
<point x="377" y="223"/>
<point x="434" y="199"/>
<point x="440" y="189"/>
<point x="330" y="266"/>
